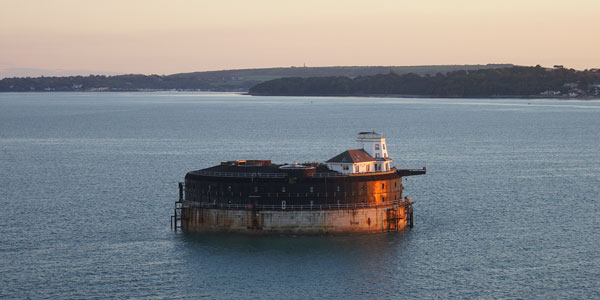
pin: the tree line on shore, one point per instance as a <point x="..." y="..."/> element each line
<point x="240" y="80"/>
<point x="511" y="82"/>
<point x="101" y="82"/>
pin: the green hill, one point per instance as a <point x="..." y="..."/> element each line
<point x="226" y="80"/>
<point x="498" y="82"/>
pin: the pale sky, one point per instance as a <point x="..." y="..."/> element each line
<point x="165" y="37"/>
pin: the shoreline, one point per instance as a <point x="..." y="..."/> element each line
<point x="524" y="97"/>
<point x="246" y="93"/>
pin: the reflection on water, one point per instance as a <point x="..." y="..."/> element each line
<point x="361" y="245"/>
<point x="369" y="261"/>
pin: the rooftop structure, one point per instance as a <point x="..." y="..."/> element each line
<point x="352" y="156"/>
<point x="371" y="157"/>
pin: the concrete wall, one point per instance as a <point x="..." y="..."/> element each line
<point x="364" y="220"/>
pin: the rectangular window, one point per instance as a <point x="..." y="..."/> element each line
<point x="383" y="146"/>
<point x="368" y="168"/>
<point x="376" y="155"/>
<point x="283" y="189"/>
<point x="345" y="168"/>
<point x="383" y="186"/>
<point x="376" y="146"/>
<point x="356" y="169"/>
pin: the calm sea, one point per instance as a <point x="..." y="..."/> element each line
<point x="509" y="207"/>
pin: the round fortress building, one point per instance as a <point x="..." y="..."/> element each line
<point x="355" y="191"/>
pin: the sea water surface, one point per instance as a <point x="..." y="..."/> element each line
<point x="509" y="207"/>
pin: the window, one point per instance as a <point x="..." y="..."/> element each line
<point x="338" y="188"/>
<point x="382" y="199"/>
<point x="311" y="189"/>
<point x="229" y="188"/>
<point x="283" y="189"/>
<point x="376" y="146"/>
<point x="345" y="168"/>
<point x="362" y="187"/>
<point x="368" y="168"/>
<point x="356" y="169"/>
<point x="376" y="155"/>
<point x="383" y="146"/>
<point x="383" y="186"/>
<point x="256" y="189"/>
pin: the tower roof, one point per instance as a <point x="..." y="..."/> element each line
<point x="370" y="135"/>
<point x="352" y="156"/>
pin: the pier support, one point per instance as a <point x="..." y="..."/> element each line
<point x="409" y="220"/>
<point x="176" y="217"/>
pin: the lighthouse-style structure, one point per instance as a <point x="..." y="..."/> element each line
<point x="372" y="156"/>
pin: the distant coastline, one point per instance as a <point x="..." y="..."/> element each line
<point x="516" y="97"/>
<point x="512" y="82"/>
<point x="456" y="81"/>
<point x="219" y="81"/>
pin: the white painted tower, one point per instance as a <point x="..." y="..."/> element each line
<point x="374" y="144"/>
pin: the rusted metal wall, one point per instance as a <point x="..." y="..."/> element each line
<point x="295" y="191"/>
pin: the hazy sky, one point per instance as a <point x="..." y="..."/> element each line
<point x="165" y="37"/>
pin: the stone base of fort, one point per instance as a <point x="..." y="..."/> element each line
<point x="331" y="221"/>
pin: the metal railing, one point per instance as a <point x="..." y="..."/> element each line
<point x="337" y="174"/>
<point x="331" y="174"/>
<point x="191" y="204"/>
<point x="241" y="174"/>
<point x="315" y="175"/>
<point x="370" y="135"/>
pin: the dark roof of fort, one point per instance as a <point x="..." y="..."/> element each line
<point x="352" y="156"/>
